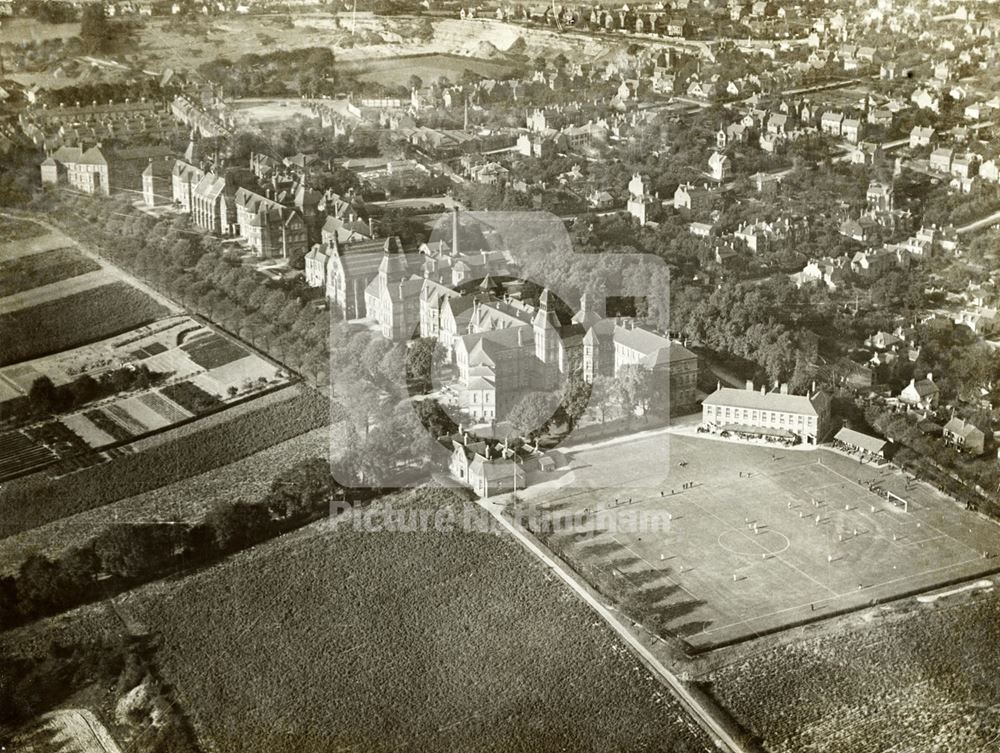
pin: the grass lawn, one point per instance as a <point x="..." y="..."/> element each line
<point x="337" y="639"/>
<point x="735" y="557"/>
<point x="27" y="272"/>
<point x="396" y="71"/>
<point x="74" y="320"/>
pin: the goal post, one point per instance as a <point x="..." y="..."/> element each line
<point x="897" y="500"/>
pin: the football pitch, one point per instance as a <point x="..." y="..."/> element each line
<point x="718" y="542"/>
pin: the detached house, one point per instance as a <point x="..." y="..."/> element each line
<point x="921" y="136"/>
<point x="850" y="129"/>
<point x="831" y="123"/>
<point x="964" y="436"/>
<point x="940" y="160"/>
<point x="920" y="393"/>
<point x="719" y="166"/>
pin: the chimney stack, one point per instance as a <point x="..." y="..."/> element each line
<point x="750" y="385"/>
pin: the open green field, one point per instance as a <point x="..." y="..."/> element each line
<point x="33" y="271"/>
<point x="13" y="229"/>
<point x="396" y="71"/>
<point x="73" y="320"/>
<point x="736" y="556"/>
<point x="333" y="638"/>
<point x="910" y="679"/>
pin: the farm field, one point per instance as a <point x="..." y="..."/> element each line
<point x="910" y="679"/>
<point x="36" y="270"/>
<point x="13" y="229"/>
<point x="331" y="638"/>
<point x="187" y="499"/>
<point x="55" y="290"/>
<point x="823" y="543"/>
<point x="163" y="459"/>
<point x="67" y="322"/>
<point x="396" y="71"/>
<point x="30" y="245"/>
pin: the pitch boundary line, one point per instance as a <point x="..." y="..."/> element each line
<point x="827" y="600"/>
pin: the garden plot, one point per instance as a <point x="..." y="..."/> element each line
<point x="194" y="368"/>
<point x="56" y="290"/>
<point x="36" y="270"/>
<point x="752" y="540"/>
<point x="87" y="430"/>
<point x="243" y="374"/>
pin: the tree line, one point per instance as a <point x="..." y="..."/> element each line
<point x="126" y="554"/>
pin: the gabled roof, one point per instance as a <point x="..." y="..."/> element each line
<point x="648" y="343"/>
<point x="864" y="441"/>
<point x="962" y="428"/>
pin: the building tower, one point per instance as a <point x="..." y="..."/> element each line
<point x="546" y="331"/>
<point x="392" y="269"/>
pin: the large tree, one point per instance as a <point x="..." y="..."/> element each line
<point x="531" y="414"/>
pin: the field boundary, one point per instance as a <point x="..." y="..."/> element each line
<point x="842" y="612"/>
<point x="724" y="730"/>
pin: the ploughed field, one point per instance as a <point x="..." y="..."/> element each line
<point x="336" y="638"/>
<point x="924" y="680"/>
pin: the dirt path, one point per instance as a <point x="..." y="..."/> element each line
<point x="111" y="271"/>
<point x="56" y="290"/>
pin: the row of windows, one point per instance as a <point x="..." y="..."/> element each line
<point x="753" y="416"/>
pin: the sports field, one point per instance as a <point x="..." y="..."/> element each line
<point x="741" y="540"/>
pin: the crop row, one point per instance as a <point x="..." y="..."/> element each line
<point x="35" y="270"/>
<point x="75" y="319"/>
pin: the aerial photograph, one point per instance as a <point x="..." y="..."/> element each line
<point x="427" y="376"/>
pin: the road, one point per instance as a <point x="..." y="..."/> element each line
<point x="705" y="717"/>
<point x="979" y="224"/>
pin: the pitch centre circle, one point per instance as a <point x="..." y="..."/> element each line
<point x="752" y="544"/>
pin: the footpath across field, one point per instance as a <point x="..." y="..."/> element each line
<point x="717" y="542"/>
